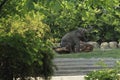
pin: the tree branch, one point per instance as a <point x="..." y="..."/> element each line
<point x="2" y="4"/>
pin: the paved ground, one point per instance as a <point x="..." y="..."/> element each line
<point x="62" y="78"/>
<point x="68" y="78"/>
<point x="81" y="66"/>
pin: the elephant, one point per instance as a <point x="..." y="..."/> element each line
<point x="72" y="39"/>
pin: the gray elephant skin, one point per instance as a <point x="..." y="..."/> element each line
<point x="72" y="39"/>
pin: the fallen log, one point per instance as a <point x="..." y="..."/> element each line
<point x="61" y="50"/>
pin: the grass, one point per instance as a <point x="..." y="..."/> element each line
<point x="96" y="53"/>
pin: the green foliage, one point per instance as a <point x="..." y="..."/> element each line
<point x="103" y="17"/>
<point x="60" y="17"/>
<point x="25" y="47"/>
<point x="108" y="74"/>
<point x="67" y="15"/>
<point x="12" y="7"/>
<point x="22" y="27"/>
<point x="105" y="74"/>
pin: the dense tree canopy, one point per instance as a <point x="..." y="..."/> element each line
<point x="66" y="15"/>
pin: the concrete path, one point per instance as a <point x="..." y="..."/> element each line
<point x="81" y="66"/>
<point x="68" y="78"/>
<point x="59" y="78"/>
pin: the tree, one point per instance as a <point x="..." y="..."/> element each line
<point x="66" y="15"/>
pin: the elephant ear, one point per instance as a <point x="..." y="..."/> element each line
<point x="82" y="30"/>
<point x="90" y="28"/>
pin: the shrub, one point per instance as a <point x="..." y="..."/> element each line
<point x="105" y="74"/>
<point x="25" y="47"/>
<point x="108" y="74"/>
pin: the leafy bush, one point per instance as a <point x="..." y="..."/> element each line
<point x="108" y="74"/>
<point x="105" y="74"/>
<point x="25" y="47"/>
